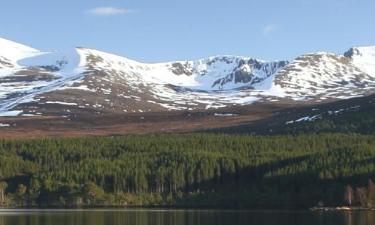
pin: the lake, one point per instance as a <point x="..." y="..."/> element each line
<point x="182" y="217"/>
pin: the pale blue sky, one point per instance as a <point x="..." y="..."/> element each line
<point x="152" y="30"/>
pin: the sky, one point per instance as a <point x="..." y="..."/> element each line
<point x="165" y="30"/>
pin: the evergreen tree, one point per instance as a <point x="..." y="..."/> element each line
<point x="3" y="186"/>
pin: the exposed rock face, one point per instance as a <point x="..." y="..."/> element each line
<point x="250" y="72"/>
<point x="5" y="63"/>
<point x="179" y="68"/>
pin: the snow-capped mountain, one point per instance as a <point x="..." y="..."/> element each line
<point x="33" y="82"/>
<point x="217" y="73"/>
<point x="322" y="76"/>
<point x="11" y="52"/>
<point x="363" y="58"/>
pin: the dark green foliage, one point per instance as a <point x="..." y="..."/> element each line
<point x="190" y="170"/>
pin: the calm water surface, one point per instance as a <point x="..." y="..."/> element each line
<point x="182" y="217"/>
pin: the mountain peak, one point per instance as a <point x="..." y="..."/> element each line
<point x="13" y="51"/>
<point x="360" y="51"/>
<point x="363" y="58"/>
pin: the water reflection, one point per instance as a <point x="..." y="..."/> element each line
<point x="183" y="217"/>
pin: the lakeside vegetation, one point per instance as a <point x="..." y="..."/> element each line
<point x="190" y="170"/>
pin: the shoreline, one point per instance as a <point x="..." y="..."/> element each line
<point x="135" y="208"/>
<point x="341" y="208"/>
<point x="16" y="210"/>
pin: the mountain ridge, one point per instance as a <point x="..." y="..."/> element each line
<point x="93" y="81"/>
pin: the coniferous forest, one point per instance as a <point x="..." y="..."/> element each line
<point x="190" y="170"/>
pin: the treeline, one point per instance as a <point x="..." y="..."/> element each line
<point x="362" y="121"/>
<point x="186" y="170"/>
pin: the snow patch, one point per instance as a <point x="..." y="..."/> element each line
<point x="225" y="114"/>
<point x="305" y="119"/>
<point x="61" y="103"/>
<point x="11" y="113"/>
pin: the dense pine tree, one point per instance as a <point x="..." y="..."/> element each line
<point x="190" y="170"/>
